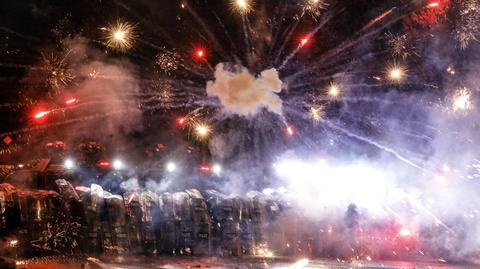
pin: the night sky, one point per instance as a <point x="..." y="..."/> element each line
<point x="349" y="42"/>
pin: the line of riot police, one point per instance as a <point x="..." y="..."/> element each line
<point x="92" y="220"/>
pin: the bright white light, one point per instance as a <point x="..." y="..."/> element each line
<point x="69" y="164"/>
<point x="119" y="35"/>
<point x="300" y="264"/>
<point x="171" y="166"/>
<point x="441" y="179"/>
<point x="217" y="168"/>
<point x="242" y="3"/>
<point x="446" y="168"/>
<point x="334" y="186"/>
<point x="404" y="232"/>
<point x="117" y="164"/>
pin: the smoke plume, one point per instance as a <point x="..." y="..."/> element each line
<point x="240" y="92"/>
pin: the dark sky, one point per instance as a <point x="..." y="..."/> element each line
<point x="27" y="28"/>
<point x="30" y="28"/>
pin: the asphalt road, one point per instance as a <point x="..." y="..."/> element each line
<point x="218" y="263"/>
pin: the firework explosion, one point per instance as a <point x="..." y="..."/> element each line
<point x="396" y="73"/>
<point x="256" y="79"/>
<point x="58" y="72"/>
<point x="120" y="35"/>
<point x="400" y="45"/>
<point x="315" y="7"/>
<point x="317" y="113"/>
<point x="242" y="6"/>
<point x="462" y="100"/>
<point x="466" y="28"/>
<point x="168" y="62"/>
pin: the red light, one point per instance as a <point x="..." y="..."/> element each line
<point x="181" y="121"/>
<point x="104" y="164"/>
<point x="200" y="53"/>
<point x="205" y="168"/>
<point x="71" y="101"/>
<point x="304" y="41"/>
<point x="41" y="114"/>
<point x="7" y="140"/>
<point x="434" y="4"/>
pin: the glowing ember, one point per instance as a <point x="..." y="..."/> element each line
<point x="263" y="251"/>
<point x="200" y="53"/>
<point x="41" y="114"/>
<point x="13" y="243"/>
<point x="290" y="131"/>
<point x="181" y="121"/>
<point x="304" y="41"/>
<point x="71" y="101"/>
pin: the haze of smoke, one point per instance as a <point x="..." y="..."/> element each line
<point x="242" y="93"/>
<point x="111" y="80"/>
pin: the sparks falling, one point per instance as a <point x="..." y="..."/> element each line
<point x="58" y="72"/>
<point x="167" y="62"/>
<point x="400" y="45"/>
<point x="317" y="114"/>
<point x="315" y="7"/>
<point x="466" y="25"/>
<point x="462" y="100"/>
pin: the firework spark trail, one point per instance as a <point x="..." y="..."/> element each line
<point x="75" y="120"/>
<point x="378" y="19"/>
<point x="309" y="35"/>
<point x="60" y="123"/>
<point x="336" y="67"/>
<point x="393" y="212"/>
<point x="349" y="44"/>
<point x="293" y="28"/>
<point x="8" y="30"/>
<point x="304" y="103"/>
<point x="219" y="48"/>
<point x="401" y="46"/>
<point x="246" y="31"/>
<point x="373" y="143"/>
<point x="277" y="31"/>
<point x="19" y="66"/>
<point x="360" y="119"/>
<point x="155" y="27"/>
<point x="327" y="77"/>
<point x="225" y="31"/>
<point x="418" y="204"/>
<point x="285" y="41"/>
<point x="414" y="135"/>
<point x="419" y="158"/>
<point x="58" y="70"/>
<point x="11" y="105"/>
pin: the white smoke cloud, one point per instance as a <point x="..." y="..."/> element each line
<point x="240" y="92"/>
